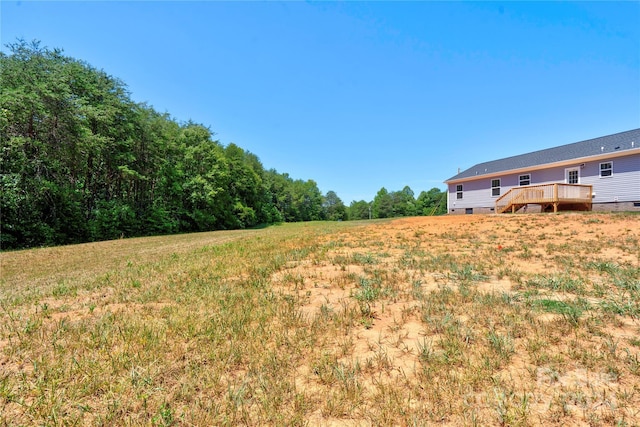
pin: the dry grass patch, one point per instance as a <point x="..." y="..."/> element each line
<point x="469" y="320"/>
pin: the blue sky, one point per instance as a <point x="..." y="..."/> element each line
<point x="363" y="95"/>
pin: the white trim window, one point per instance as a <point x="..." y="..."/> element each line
<point x="524" y="179"/>
<point x="459" y="191"/>
<point x="572" y="175"/>
<point x="495" y="187"/>
<point x="606" y="169"/>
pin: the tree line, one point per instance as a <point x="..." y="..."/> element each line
<point x="81" y="161"/>
<point x="400" y="203"/>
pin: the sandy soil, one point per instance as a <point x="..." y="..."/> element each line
<point x="520" y="246"/>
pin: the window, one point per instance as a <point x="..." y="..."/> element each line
<point x="606" y="169"/>
<point x="459" y="191"/>
<point x="524" y="179"/>
<point x="495" y="187"/>
<point x="573" y="176"/>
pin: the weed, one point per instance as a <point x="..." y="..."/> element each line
<point x="570" y="311"/>
<point x="63" y="289"/>
<point x="632" y="360"/>
<point x="368" y="290"/>
<point x="466" y="274"/>
<point x="164" y="417"/>
<point x="621" y="306"/>
<point x="560" y="283"/>
<point x="511" y="409"/>
<point x="502" y="345"/>
<point x="363" y="259"/>
<point x="603" y="266"/>
<point x="526" y="253"/>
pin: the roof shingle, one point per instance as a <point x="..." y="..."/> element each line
<point x="591" y="147"/>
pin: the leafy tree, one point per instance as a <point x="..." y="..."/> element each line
<point x="307" y="200"/>
<point x="431" y="202"/>
<point x="359" y="210"/>
<point x="383" y="205"/>
<point x="334" y="209"/>
<point x="41" y="148"/>
<point x="277" y="186"/>
<point x="403" y="202"/>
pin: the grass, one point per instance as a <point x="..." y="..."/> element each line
<point x="450" y="320"/>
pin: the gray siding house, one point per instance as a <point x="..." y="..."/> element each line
<point x="596" y="174"/>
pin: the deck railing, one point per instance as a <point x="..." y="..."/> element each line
<point x="544" y="195"/>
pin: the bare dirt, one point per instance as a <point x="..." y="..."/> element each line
<point x="514" y="248"/>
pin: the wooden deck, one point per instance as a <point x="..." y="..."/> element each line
<point x="548" y="196"/>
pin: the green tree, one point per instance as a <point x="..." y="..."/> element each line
<point x="207" y="201"/>
<point x="403" y="202"/>
<point x="42" y="148"/>
<point x="307" y="200"/>
<point x="359" y="210"/>
<point x="382" y="205"/>
<point x="432" y="202"/>
<point x="334" y="209"/>
<point x="280" y="199"/>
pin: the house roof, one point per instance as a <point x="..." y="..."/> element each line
<point x="592" y="147"/>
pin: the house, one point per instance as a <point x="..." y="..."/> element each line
<point x="597" y="174"/>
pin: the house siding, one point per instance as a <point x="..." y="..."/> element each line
<point x="623" y="186"/>
<point x="475" y="194"/>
